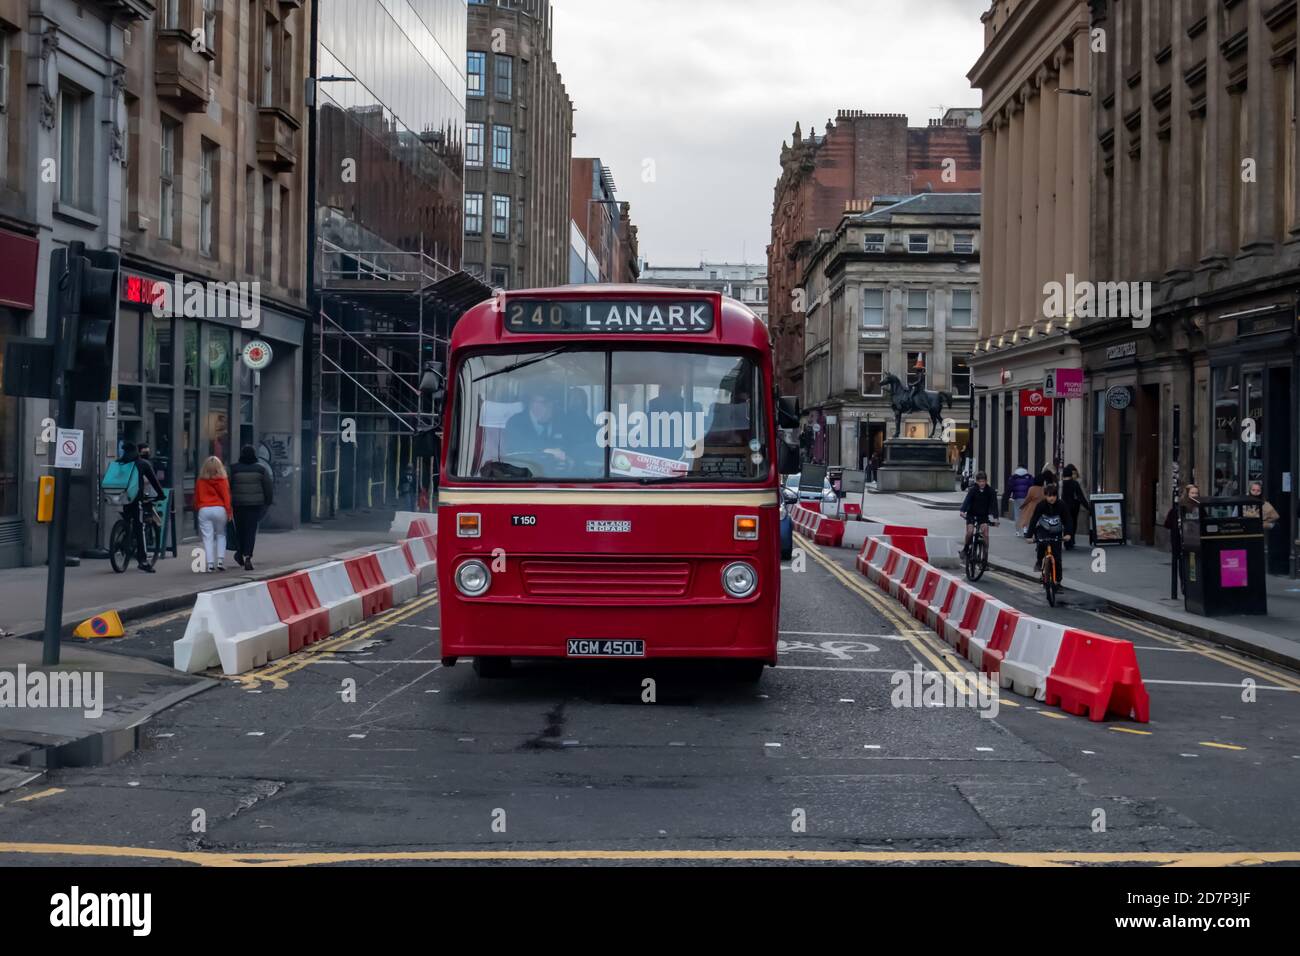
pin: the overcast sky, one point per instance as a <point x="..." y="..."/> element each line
<point x="709" y="89"/>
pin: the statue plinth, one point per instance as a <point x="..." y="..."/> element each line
<point x="915" y="464"/>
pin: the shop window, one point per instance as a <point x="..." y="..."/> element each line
<point x="219" y="357"/>
<point x="128" y="346"/>
<point x="1227" y="431"/>
<point x="157" y="349"/>
<point x="217" y="427"/>
<point x="1253" y="383"/>
<point x="190" y="344"/>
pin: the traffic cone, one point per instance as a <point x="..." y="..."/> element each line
<point x="107" y="624"/>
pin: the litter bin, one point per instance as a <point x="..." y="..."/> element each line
<point x="1223" y="554"/>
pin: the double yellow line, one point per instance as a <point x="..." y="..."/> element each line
<point x="275" y="673"/>
<point x="940" y="655"/>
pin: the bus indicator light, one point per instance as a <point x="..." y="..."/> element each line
<point x="746" y="528"/>
<point x="467" y="526"/>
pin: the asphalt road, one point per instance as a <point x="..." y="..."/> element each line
<point x="570" y="760"/>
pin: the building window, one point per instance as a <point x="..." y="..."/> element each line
<point x="501" y="217"/>
<point x="207" y="198"/>
<point x="210" y="26"/>
<point x="916" y="368"/>
<point x="963" y="243"/>
<point x="918" y="309"/>
<point x="505" y="75"/>
<point x="268" y="63"/>
<point x="475" y="73"/>
<point x="268" y="226"/>
<point x="918" y="242"/>
<point x="959" y="377"/>
<point x="250" y="221"/>
<point x="4" y="103"/>
<point x="76" y="148"/>
<point x="875" y="242"/>
<point x="873" y="368"/>
<point x="474" y="214"/>
<point x="167" y="211"/>
<point x="500" y="278"/>
<point x="873" y="308"/>
<point x="171" y="14"/>
<point x="473" y="144"/>
<point x="285" y="241"/>
<point x="963" y="314"/>
<point x="500" y="147"/>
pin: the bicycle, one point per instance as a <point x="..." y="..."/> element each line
<point x="977" y="553"/>
<point x="121" y="543"/>
<point x="1051" y="575"/>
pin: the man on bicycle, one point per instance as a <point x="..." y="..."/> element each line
<point x="979" y="508"/>
<point x="1047" y="525"/>
<point x="133" y="510"/>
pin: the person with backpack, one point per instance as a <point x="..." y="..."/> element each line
<point x="251" y="494"/>
<point x="126" y="482"/>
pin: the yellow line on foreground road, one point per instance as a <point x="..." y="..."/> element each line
<point x="275" y="673"/>
<point x="1044" y="858"/>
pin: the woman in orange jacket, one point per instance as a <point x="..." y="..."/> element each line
<point x="212" y="505"/>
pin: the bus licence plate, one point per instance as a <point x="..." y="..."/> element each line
<point x="578" y="647"/>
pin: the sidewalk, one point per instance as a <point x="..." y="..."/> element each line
<point x="94" y="587"/>
<point x="1136" y="578"/>
<point x="36" y="738"/>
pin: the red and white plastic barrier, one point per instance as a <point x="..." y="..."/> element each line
<point x="1077" y="670"/>
<point x="813" y="524"/>
<point x="249" y="625"/>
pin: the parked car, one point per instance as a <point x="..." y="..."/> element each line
<point x="792" y="484"/>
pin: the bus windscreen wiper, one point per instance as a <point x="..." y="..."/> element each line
<point x="524" y="363"/>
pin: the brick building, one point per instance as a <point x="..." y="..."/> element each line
<point x="605" y="247"/>
<point x="858" y="157"/>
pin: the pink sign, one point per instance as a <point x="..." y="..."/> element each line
<point x="1065" y="383"/>
<point x="1232" y="569"/>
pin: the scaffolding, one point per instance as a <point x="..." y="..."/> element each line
<point x="383" y="315"/>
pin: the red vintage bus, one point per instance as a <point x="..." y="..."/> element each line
<point x="610" y="480"/>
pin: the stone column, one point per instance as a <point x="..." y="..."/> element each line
<point x="1029" y="208"/>
<point x="1010" y="317"/>
<point x="1047" y="184"/>
<point x="989" y="213"/>
<point x="1063" y="160"/>
<point x="1261" y="195"/>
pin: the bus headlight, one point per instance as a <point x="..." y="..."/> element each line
<point x="473" y="578"/>
<point x="739" y="580"/>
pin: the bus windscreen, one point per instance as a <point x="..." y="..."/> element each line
<point x="575" y="415"/>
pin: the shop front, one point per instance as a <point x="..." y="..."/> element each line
<point x="17" y="298"/>
<point x="1255" y="415"/>
<point x="194" y="386"/>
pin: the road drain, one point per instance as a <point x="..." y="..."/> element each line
<point x="96" y="750"/>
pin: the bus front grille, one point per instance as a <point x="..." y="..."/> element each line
<point x="606" y="578"/>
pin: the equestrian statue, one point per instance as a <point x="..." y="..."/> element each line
<point x="904" y="399"/>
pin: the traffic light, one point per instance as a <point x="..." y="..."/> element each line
<point x="80" y="330"/>
<point x="95" y="327"/>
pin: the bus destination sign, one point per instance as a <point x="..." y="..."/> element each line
<point x="597" y="316"/>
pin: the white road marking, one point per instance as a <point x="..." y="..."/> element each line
<point x="356" y="736"/>
<point x="985" y="750"/>
<point x="400" y="689"/>
<point x="255" y="733"/>
<point x="1170" y="650"/>
<point x="433" y="692"/>
<point x="847" y="700"/>
<point x="423" y="627"/>
<point x="1091" y="752"/>
<point x="676" y="743"/>
<point x="1207" y="683"/>
<point x="771" y="745"/>
<point x="883" y="637"/>
<point x="871" y="746"/>
<point x="843" y="670"/>
<point x="1189" y="755"/>
<point x="159" y="736"/>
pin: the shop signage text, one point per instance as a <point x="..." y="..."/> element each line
<point x="1034" y="404"/>
<point x="1126" y="350"/>
<point x="1064" y="383"/>
<point x="196" y="300"/>
<point x="1119" y="397"/>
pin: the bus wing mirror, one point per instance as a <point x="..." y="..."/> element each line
<point x="787" y="459"/>
<point x="787" y="413"/>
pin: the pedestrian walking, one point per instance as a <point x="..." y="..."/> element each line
<point x="1017" y="488"/>
<point x="1073" y="498"/>
<point x="1265" y="511"/>
<point x="251" y="494"/>
<point x="213" y="506"/>
<point x="406" y="489"/>
<point x="1033" y="496"/>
